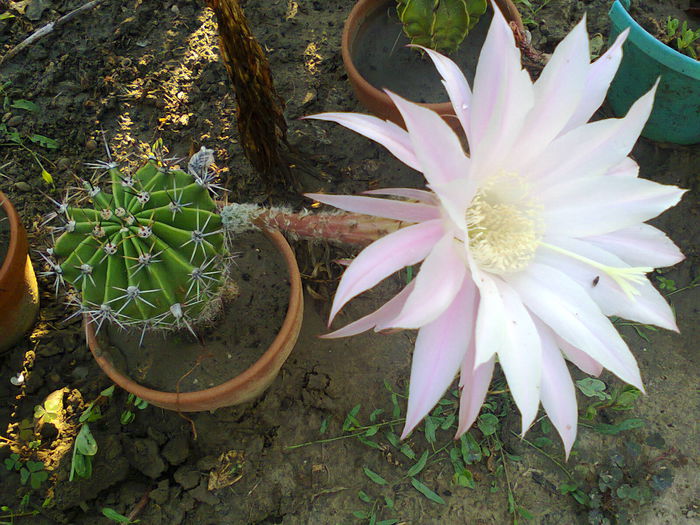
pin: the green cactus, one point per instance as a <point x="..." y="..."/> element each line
<point x="439" y="24"/>
<point x="149" y="253"/>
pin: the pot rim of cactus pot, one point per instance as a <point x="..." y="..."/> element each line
<point x="244" y="387"/>
<point x="373" y="98"/>
<point x="19" y="295"/>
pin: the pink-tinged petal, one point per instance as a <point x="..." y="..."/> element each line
<point x="595" y="206"/>
<point x="649" y="307"/>
<point x="404" y="247"/>
<point x="391" y="209"/>
<point x="571" y="314"/>
<point x="455" y="84"/>
<point x="437" y="147"/>
<point x="558" y="392"/>
<point x="502" y="96"/>
<point x="626" y="168"/>
<point x="455" y="198"/>
<point x="581" y="359"/>
<point x="506" y="328"/>
<point x="600" y="74"/>
<point x="474" y="382"/>
<point x="394" y="138"/>
<point x="591" y="149"/>
<point x="640" y="245"/>
<point x="439" y="280"/>
<point x="378" y="318"/>
<point x="558" y="92"/>
<point x="427" y="197"/>
<point x="440" y="349"/>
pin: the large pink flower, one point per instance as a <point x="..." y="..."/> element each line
<point x="527" y="244"/>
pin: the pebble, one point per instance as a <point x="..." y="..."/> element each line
<point x="63" y="164"/>
<point x="22" y="186"/>
<point x="159" y="495"/>
<point x="186" y="477"/>
<point x="176" y="450"/>
<point x="91" y="145"/>
<point x="143" y="456"/>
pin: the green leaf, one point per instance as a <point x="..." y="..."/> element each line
<point x="396" y="412"/>
<point x="351" y="421"/>
<point x="389" y="502"/>
<point x="376" y="478"/>
<point x="107" y="392"/>
<point x="430" y="428"/>
<point x="488" y="424"/>
<point x="6" y="15"/>
<point x="115" y="516"/>
<point x="364" y="497"/>
<point x="407" y="451"/>
<point x="428" y="493"/>
<point x="360" y="514"/>
<point x="393" y="439"/>
<point x="126" y="417"/>
<point x="46" y="142"/>
<point x="464" y="478"/>
<point x="541" y="442"/>
<point x="449" y="421"/>
<point x="525" y="513"/>
<point x="390" y="521"/>
<point x="24" y="476"/>
<point x="34" y="466"/>
<point x="369" y="442"/>
<point x="420" y="465"/>
<point x="37" y="478"/>
<point x="612" y="430"/>
<point x="48" y="179"/>
<point x="546" y="426"/>
<point x="24" y="104"/>
<point x="85" y="443"/>
<point x="372" y="430"/>
<point x="471" y="451"/>
<point x="591" y="387"/>
<point x="81" y="465"/>
<point x="140" y="403"/>
<point x="374" y="414"/>
<point x="324" y="426"/>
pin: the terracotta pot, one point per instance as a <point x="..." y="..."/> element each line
<point x="374" y="99"/>
<point x="19" y="296"/>
<point x="244" y="387"/>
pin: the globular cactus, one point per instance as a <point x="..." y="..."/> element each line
<point x="149" y="253"/>
<point x="439" y="24"/>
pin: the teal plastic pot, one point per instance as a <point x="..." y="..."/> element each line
<point x="676" y="114"/>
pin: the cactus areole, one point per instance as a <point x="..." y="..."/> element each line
<point x="439" y="24"/>
<point x="148" y="253"/>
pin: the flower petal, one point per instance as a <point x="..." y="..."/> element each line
<point x="437" y="148"/>
<point x="455" y="84"/>
<point x="391" y="209"/>
<point x="568" y="310"/>
<point x="591" y="149"/>
<point x="557" y="92"/>
<point x="385" y="256"/>
<point x="437" y="283"/>
<point x="394" y="138"/>
<point x="640" y="245"/>
<point x="598" y="205"/>
<point x="502" y="96"/>
<point x="475" y="384"/>
<point x="649" y="307"/>
<point x="440" y="349"/>
<point x="581" y="359"/>
<point x="428" y="197"/>
<point x="600" y="75"/>
<point x="506" y="328"/>
<point x="379" y="317"/>
<point x="558" y="392"/>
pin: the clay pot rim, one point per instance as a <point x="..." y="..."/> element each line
<point x="507" y="8"/>
<point x="290" y="327"/>
<point x="13" y="266"/>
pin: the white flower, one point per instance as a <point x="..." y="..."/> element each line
<point x="527" y="244"/>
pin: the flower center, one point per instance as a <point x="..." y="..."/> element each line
<point x="504" y="225"/>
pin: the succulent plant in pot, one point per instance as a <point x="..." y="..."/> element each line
<point x="439" y="24"/>
<point x="148" y="252"/>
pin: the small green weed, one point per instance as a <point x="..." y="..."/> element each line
<point x="30" y="472"/>
<point x="532" y="8"/>
<point x="681" y="37"/>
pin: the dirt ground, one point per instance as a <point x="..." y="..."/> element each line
<point x="146" y="70"/>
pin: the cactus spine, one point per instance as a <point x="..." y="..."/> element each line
<point x="439" y="24"/>
<point x="149" y="253"/>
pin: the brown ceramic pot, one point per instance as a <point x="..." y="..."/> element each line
<point x="19" y="296"/>
<point x="242" y="388"/>
<point x="374" y="99"/>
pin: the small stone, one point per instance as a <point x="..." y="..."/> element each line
<point x="14" y="121"/>
<point x="157" y="436"/>
<point x="207" y="463"/>
<point x="143" y="456"/>
<point x="159" y="494"/>
<point x="175" y="9"/>
<point x="176" y="450"/>
<point x="201" y="494"/>
<point x="187" y="477"/>
<point x="22" y="186"/>
<point x="91" y="145"/>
